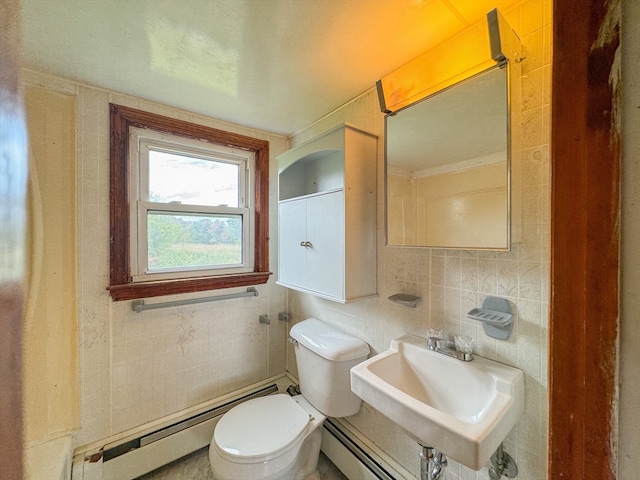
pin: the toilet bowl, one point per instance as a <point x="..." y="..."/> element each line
<point x="267" y="438"/>
<point x="278" y="437"/>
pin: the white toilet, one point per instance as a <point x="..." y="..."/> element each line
<point x="277" y="437"/>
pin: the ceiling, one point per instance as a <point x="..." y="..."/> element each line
<point x="274" y="65"/>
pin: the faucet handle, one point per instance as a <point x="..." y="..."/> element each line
<point x="435" y="332"/>
<point x="434" y="335"/>
<point x="432" y="342"/>
<point x="464" y="344"/>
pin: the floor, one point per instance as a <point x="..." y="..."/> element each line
<point x="196" y="467"/>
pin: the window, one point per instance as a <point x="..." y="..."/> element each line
<point x="192" y="214"/>
<point x="189" y="207"/>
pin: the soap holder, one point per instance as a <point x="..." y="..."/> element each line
<point x="495" y="316"/>
<point x="405" y="299"/>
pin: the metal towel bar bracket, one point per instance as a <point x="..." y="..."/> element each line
<point x="139" y="305"/>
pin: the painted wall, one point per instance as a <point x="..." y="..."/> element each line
<point x="137" y="369"/>
<point x="629" y="426"/>
<point x="50" y="355"/>
<point x="481" y="193"/>
<point x="453" y="282"/>
<point x="460" y="208"/>
<point x="401" y="222"/>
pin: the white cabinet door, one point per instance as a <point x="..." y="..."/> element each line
<point x="293" y="230"/>
<point x="322" y="184"/>
<point x="325" y="256"/>
<point x="311" y="244"/>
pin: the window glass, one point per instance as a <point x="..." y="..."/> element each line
<point x="193" y="241"/>
<point x="193" y="211"/>
<point x="176" y="177"/>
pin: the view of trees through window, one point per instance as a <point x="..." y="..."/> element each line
<point x="176" y="241"/>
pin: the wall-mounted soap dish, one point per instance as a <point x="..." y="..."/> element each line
<point x="495" y="316"/>
<point x="405" y="299"/>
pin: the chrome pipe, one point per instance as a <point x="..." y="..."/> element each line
<point x="432" y="463"/>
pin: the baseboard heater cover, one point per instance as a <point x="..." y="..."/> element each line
<point x="368" y="461"/>
<point x="141" y="455"/>
<point x="182" y="425"/>
<point x="356" y="457"/>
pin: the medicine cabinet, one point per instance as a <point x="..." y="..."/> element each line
<point x="327" y="215"/>
<point x="447" y="167"/>
<point x="451" y="177"/>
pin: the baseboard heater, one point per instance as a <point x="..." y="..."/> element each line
<point x="183" y="425"/>
<point x="363" y="466"/>
<point x="134" y="458"/>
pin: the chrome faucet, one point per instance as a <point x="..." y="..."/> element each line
<point x="447" y="347"/>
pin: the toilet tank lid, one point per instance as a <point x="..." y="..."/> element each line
<point x="328" y="342"/>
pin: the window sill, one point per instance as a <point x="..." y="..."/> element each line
<point x="133" y="291"/>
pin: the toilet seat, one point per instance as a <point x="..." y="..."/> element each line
<point x="261" y="429"/>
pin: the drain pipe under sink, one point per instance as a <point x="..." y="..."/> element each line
<point x="432" y="463"/>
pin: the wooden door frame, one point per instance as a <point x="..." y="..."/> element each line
<point x="585" y="238"/>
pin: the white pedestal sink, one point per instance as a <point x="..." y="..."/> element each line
<point x="464" y="409"/>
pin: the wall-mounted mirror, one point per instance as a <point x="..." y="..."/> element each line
<point x="447" y="167"/>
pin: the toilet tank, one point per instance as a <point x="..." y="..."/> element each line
<point x="324" y="357"/>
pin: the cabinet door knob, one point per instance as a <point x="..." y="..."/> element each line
<point x="305" y="244"/>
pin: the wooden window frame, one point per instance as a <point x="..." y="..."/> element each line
<point x="121" y="286"/>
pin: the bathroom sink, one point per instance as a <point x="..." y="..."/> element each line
<point x="463" y="409"/>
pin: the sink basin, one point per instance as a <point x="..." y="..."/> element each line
<point x="464" y="409"/>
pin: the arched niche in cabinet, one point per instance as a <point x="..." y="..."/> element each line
<point x="327" y="215"/>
